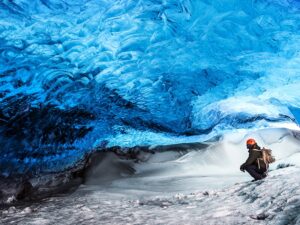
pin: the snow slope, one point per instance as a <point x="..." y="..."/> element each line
<point x="182" y="188"/>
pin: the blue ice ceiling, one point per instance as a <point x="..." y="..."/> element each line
<point x="77" y="74"/>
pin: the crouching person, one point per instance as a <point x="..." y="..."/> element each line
<point x="255" y="164"/>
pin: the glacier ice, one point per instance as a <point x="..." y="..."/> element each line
<point x="78" y="74"/>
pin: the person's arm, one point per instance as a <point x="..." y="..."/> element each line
<point x="253" y="155"/>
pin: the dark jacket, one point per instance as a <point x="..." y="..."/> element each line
<point x="254" y="155"/>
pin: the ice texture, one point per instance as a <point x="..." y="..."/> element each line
<point x="84" y="73"/>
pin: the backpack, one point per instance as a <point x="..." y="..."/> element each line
<point x="267" y="157"/>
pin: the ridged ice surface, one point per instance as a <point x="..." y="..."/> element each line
<point x="76" y="74"/>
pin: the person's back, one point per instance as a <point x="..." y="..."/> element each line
<point x="254" y="164"/>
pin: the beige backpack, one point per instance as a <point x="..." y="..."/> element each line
<point x="267" y="157"/>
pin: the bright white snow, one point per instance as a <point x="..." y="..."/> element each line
<point x="199" y="187"/>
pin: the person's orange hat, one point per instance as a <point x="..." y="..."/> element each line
<point x="251" y="141"/>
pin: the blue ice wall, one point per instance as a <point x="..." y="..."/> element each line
<point x="77" y="74"/>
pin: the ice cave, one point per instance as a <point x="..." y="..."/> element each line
<point x="138" y="111"/>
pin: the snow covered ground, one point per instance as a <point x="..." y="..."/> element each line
<point x="197" y="187"/>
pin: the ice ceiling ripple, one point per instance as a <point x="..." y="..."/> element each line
<point x="73" y="74"/>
